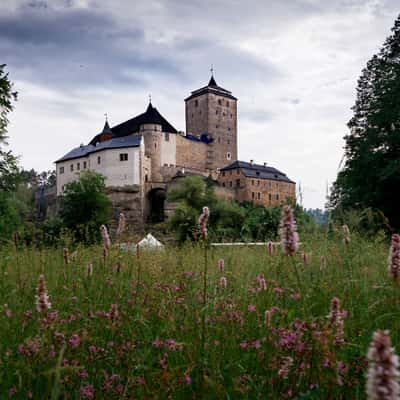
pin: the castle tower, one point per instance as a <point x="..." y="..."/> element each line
<point x="212" y="110"/>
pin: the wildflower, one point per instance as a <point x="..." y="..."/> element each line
<point x="382" y="377"/>
<point x="346" y="234"/>
<point x="186" y="380"/>
<point x="113" y="314"/>
<point x="221" y="265"/>
<point x="42" y="298"/>
<point x="74" y="341"/>
<point x="394" y="257"/>
<point x="66" y="255"/>
<point x="203" y="222"/>
<point x="305" y="258"/>
<point x="87" y="392"/>
<point x="121" y="224"/>
<point x="336" y="317"/>
<point x="285" y="367"/>
<point x="106" y="237"/>
<point x="261" y="282"/>
<point x="288" y="231"/>
<point x="7" y="311"/>
<point x="223" y="282"/>
<point x="251" y="308"/>
<point x="270" y="248"/>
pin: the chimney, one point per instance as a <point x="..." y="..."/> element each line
<point x="265" y="164"/>
<point x="251" y="162"/>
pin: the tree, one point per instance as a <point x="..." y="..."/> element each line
<point x="8" y="162"/>
<point x="370" y="177"/>
<point x="85" y="206"/>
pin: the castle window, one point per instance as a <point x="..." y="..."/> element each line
<point x="227" y="103"/>
<point x="123" y="157"/>
<point x="253" y="195"/>
<point x="61" y="170"/>
<point x="78" y="166"/>
<point x="229" y="129"/>
<point x="223" y="114"/>
<point x="228" y="156"/>
<point x="72" y="167"/>
<point x="98" y="160"/>
<point x="259" y="195"/>
<point x="277" y="196"/>
<point x="166" y="136"/>
<point x="155" y="145"/>
<point x="223" y="173"/>
<point x="231" y="115"/>
<point x="270" y="197"/>
<point x="252" y="182"/>
<point x="192" y="115"/>
<point x="216" y="112"/>
<point x="230" y="183"/>
<point x="223" y="184"/>
<point x="238" y="172"/>
<point x="258" y="182"/>
<point x="216" y="126"/>
<point x="229" y="142"/>
<point x="196" y="103"/>
<point x="220" y="102"/>
<point x="237" y="182"/>
<point x="146" y="178"/>
<point x="84" y="165"/>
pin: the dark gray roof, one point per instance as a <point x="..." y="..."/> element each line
<point x="252" y="170"/>
<point x="115" y="143"/>
<point x="150" y="116"/>
<point x="212" y="87"/>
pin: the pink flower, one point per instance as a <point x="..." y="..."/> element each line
<point x="270" y="248"/>
<point x="283" y="372"/>
<point x="42" y="299"/>
<point x="74" y="341"/>
<point x="7" y="311"/>
<point x="221" y="265"/>
<point x="187" y="380"/>
<point x="223" y="282"/>
<point x="382" y="378"/>
<point x="121" y="224"/>
<point x="113" y="314"/>
<point x="262" y="284"/>
<point x="394" y="257"/>
<point x="106" y="237"/>
<point x="288" y="231"/>
<point x="336" y="317"/>
<point x="295" y="296"/>
<point x="87" y="392"/>
<point x="251" y="308"/>
<point x="203" y="222"/>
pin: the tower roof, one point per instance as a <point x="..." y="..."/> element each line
<point x="106" y="128"/>
<point x="212" y="87"/>
<point x="150" y="116"/>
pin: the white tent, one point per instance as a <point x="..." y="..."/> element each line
<point x="150" y="242"/>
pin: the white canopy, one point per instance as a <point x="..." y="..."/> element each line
<point x="151" y="242"/>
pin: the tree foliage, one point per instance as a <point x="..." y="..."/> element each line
<point x="370" y="177"/>
<point x="8" y="162"/>
<point x="85" y="206"/>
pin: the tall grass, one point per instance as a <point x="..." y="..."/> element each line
<point x="136" y="327"/>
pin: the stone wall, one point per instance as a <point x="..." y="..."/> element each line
<point x="191" y="154"/>
<point x="266" y="192"/>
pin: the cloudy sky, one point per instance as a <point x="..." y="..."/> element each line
<point x="293" y="64"/>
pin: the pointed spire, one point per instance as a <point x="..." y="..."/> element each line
<point x="212" y="80"/>
<point x="106" y="128"/>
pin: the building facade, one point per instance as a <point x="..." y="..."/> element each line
<point x="141" y="157"/>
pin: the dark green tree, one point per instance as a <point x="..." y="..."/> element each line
<point x="8" y="162"/>
<point x="370" y="177"/>
<point x="85" y="206"/>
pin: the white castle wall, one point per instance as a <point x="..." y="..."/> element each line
<point x="116" y="172"/>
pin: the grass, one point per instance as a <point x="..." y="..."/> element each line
<point x="163" y="341"/>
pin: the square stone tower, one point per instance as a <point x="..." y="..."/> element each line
<point x="212" y="111"/>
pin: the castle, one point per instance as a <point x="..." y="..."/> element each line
<point x="144" y="156"/>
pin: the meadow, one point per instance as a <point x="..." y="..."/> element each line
<point x="182" y="324"/>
